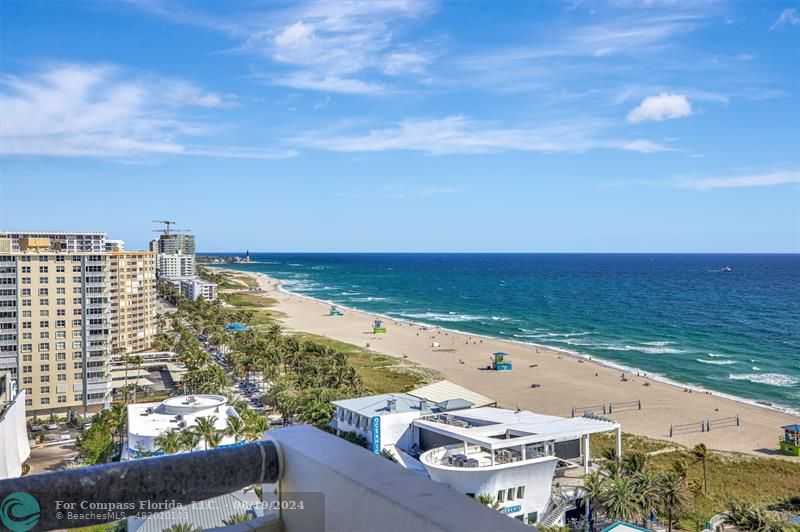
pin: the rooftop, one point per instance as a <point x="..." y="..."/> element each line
<point x="378" y="405"/>
<point x="443" y="391"/>
<point x="152" y="419"/>
<point x="497" y="428"/>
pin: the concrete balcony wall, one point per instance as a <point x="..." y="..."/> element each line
<point x="364" y="491"/>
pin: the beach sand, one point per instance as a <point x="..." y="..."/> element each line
<point x="565" y="381"/>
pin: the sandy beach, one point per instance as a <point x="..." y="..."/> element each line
<point x="564" y="381"/>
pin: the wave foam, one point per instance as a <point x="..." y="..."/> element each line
<point x="773" y="379"/>
<point x="441" y="317"/>
<point x="726" y="362"/>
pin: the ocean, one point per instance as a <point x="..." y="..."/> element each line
<point x="682" y="317"/>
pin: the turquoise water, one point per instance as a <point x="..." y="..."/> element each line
<point x="682" y="317"/>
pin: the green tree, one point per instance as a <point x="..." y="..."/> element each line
<point x="701" y="454"/>
<point x="488" y="500"/>
<point x="96" y="444"/>
<point x="206" y="427"/>
<point x="673" y="494"/>
<point x="190" y="439"/>
<point x="620" y="500"/>
<point x="169" y="441"/>
<point x="235" y="427"/>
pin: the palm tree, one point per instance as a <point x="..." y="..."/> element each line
<point x="190" y="439"/>
<point x="256" y="427"/>
<point x="116" y="420"/>
<point x="593" y="489"/>
<point x="169" y="441"/>
<point x="206" y="427"/>
<point x="634" y="462"/>
<point x="215" y="438"/>
<point x="646" y="488"/>
<point x="237" y="519"/>
<point x="234" y="426"/>
<point x="673" y="493"/>
<point x="488" y="500"/>
<point x="681" y="468"/>
<point x="137" y="361"/>
<point x="183" y="527"/>
<point x="702" y="454"/>
<point x="620" y="501"/>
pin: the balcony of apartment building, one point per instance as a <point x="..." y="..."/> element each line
<point x="310" y="480"/>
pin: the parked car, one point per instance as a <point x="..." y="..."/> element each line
<point x="86" y="426"/>
<point x="36" y="428"/>
<point x="51" y="426"/>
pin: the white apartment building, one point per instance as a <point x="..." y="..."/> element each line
<point x="197" y="288"/>
<point x="510" y="455"/>
<point x="147" y="421"/>
<point x="175" y="265"/>
<point x="70" y="242"/>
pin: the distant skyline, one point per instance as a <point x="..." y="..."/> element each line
<point x="406" y="125"/>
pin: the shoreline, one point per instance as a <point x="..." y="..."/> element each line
<point x="275" y="286"/>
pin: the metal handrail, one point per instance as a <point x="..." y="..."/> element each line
<point x="182" y="478"/>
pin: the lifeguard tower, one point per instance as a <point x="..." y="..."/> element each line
<point x="501" y="362"/>
<point x="334" y="311"/>
<point x="790" y="444"/>
<point x="378" y="327"/>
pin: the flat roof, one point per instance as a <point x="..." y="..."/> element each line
<point x="160" y="420"/>
<point x="442" y="391"/>
<point x="486" y="427"/>
<point x="376" y="405"/>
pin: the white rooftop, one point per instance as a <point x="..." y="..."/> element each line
<point x="163" y="416"/>
<point x="498" y="428"/>
<point x="441" y="391"/>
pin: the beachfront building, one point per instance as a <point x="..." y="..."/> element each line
<point x="385" y="420"/>
<point x="476" y="449"/>
<point x="133" y="299"/>
<point x="71" y="242"/>
<point x="176" y="265"/>
<point x="176" y="255"/>
<point x="510" y="455"/>
<point x="55" y="322"/>
<point x="197" y="288"/>
<point x="147" y="421"/>
<point x="14" y="447"/>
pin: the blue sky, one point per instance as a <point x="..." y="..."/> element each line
<point x="406" y="125"/>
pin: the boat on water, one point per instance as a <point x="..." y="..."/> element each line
<point x="727" y="269"/>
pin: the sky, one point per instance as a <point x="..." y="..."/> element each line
<point x="406" y="125"/>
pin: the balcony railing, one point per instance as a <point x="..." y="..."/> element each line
<point x="352" y="489"/>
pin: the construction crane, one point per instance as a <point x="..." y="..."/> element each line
<point x="168" y="230"/>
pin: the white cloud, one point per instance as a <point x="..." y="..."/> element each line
<point x="783" y="177"/>
<point x="311" y="81"/>
<point x="100" y="111"/>
<point x="787" y="17"/>
<point x="459" y="134"/>
<point x="661" y="107"/>
<point x="341" y="46"/>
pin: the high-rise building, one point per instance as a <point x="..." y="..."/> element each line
<point x="176" y="255"/>
<point x="55" y="318"/>
<point x="66" y="241"/>
<point x="176" y="243"/>
<point x="133" y="299"/>
<point x="176" y="266"/>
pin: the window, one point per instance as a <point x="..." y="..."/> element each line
<point x="45" y="389"/>
<point x="521" y="492"/>
<point x="45" y="400"/>
<point x="62" y="398"/>
<point x="62" y="377"/>
<point x="510" y="494"/>
<point x="533" y="517"/>
<point x="500" y="495"/>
